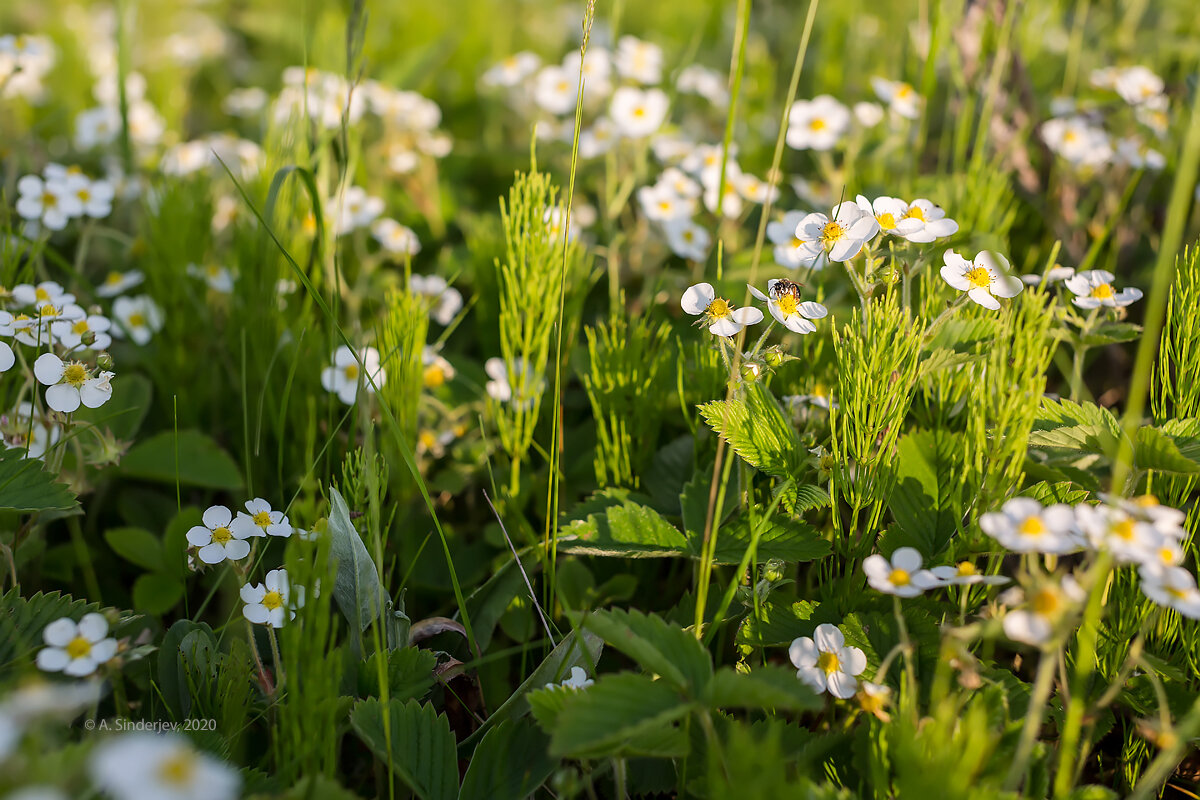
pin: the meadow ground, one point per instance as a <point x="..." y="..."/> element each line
<point x="513" y="398"/>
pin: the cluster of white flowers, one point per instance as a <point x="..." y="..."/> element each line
<point x="224" y="537"/>
<point x="1140" y="532"/>
<point x="1078" y="135"/>
<point x="823" y="122"/>
<point x="213" y="154"/>
<point x="99" y="126"/>
<point x="59" y="195"/>
<point x="25" y="61"/>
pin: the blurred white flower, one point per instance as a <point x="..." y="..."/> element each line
<point x="901" y="576"/>
<point x="1034" y="624"/>
<point x="137" y="317"/>
<point x="342" y="377"/>
<point x="1173" y="587"/>
<point x="512" y="71"/>
<point x="687" y="239"/>
<point x="448" y="301"/>
<point x="149" y="766"/>
<point x="48" y="202"/>
<point x="117" y="282"/>
<point x="1138" y="84"/>
<point x="901" y="98"/>
<point x="218" y="278"/>
<point x="965" y="574"/>
<point x="76" y="649"/>
<point x="816" y="124"/>
<point x="1023" y="525"/>
<point x="638" y="60"/>
<point x="637" y="113"/>
<point x="354" y="209"/>
<point x="395" y="238"/>
<point x="555" y="90"/>
<point x="1093" y="289"/>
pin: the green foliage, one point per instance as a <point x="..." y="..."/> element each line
<point x="413" y="742"/>
<point x="358" y="591"/>
<point x="926" y="500"/>
<point x="26" y="486"/>
<point x="626" y="383"/>
<point x="657" y="646"/>
<point x="22" y="620"/>
<point x="189" y="458"/>
<point x="402" y="340"/>
<point x="511" y="761"/>
<point x="757" y="430"/>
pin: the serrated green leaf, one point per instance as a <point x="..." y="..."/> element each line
<point x="407" y="670"/>
<point x="777" y="624"/>
<point x="357" y="588"/>
<point x="1111" y="333"/>
<point x="757" y="429"/>
<point x="22" y="621"/>
<point x="192" y="458"/>
<point x="26" y="486"/>
<point x="625" y="529"/>
<point x="415" y="744"/>
<point x="137" y="546"/>
<point x="770" y="687"/>
<point x="781" y="538"/>
<point x="1060" y="492"/>
<point x="622" y="714"/>
<point x="656" y="645"/>
<point x="1159" y="451"/>
<point x="510" y="763"/>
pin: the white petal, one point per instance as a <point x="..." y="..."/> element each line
<point x="80" y="667"/>
<point x="237" y="549"/>
<point x="725" y="327"/>
<point x="842" y="685"/>
<point x="214" y="553"/>
<point x="252" y="593"/>
<point x="104" y="650"/>
<point x="813" y="310"/>
<point x="93" y="627"/>
<point x="748" y="315"/>
<point x="954" y="275"/>
<point x="255" y="613"/>
<point x="907" y="558"/>
<point x="1007" y="286"/>
<point x="48" y="369"/>
<point x="853" y="660"/>
<point x="60" y="632"/>
<point x="828" y="638"/>
<point x="217" y="517"/>
<point x="845" y="249"/>
<point x="52" y="659"/>
<point x="757" y="294"/>
<point x="876" y="567"/>
<point x="198" y="536"/>
<point x="813" y="677"/>
<point x="984" y="298"/>
<point x="697" y="298"/>
<point x="803" y="652"/>
<point x="62" y="397"/>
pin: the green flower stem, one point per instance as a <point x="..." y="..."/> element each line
<point x="1033" y="719"/>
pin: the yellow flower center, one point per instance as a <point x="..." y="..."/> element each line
<point x="887" y="221"/>
<point x="1046" y="602"/>
<point x="828" y="662"/>
<point x="75" y="375"/>
<point x="49" y="200"/>
<point x="639" y="112"/>
<point x="49" y="311"/>
<point x="797" y="241"/>
<point x="1178" y="594"/>
<point x="819" y="390"/>
<point x="79" y="647"/>
<point x="817" y="124"/>
<point x="979" y="277"/>
<point x="41" y="294"/>
<point x="222" y="535"/>
<point x="84" y="195"/>
<point x="1070" y="137"/>
<point x="1123" y="530"/>
<point x="966" y="569"/>
<point x="688" y="235"/>
<point x="915" y="212"/>
<point x="788" y="305"/>
<point x="903" y="90"/>
<point x="899" y="577"/>
<point x="272" y="601"/>
<point x="351" y="372"/>
<point x="309" y="226"/>
<point x="80" y="327"/>
<point x="831" y="233"/>
<point x="435" y="376"/>
<point x="1032" y="526"/>
<point x="1146" y="501"/>
<point x="114" y="278"/>
<point x="1103" y="292"/>
<point x="178" y="769"/>
<point x="664" y="205"/>
<point x="427" y="440"/>
<point x="262" y="519"/>
<point x="1166" y="555"/>
<point x="137" y="320"/>
<point x="719" y="309"/>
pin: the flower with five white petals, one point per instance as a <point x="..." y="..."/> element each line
<point x="260" y="520"/>
<point x="1093" y="289"/>
<point x="76" y="649"/>
<point x="901" y="576"/>
<point x="155" y="766"/>
<point x="71" y="384"/>
<point x="784" y="303"/>
<point x="720" y="316"/>
<point x="271" y="602"/>
<point x="342" y="377"/>
<point x="983" y="279"/>
<point x="841" y="235"/>
<point x="216" y="538"/>
<point x="824" y="662"/>
<point x="1023" y="525"/>
<point x="1173" y="587"/>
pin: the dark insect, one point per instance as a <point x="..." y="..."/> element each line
<point x="782" y="287"/>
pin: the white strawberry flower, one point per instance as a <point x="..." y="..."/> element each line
<point x="1173" y="587"/>
<point x="901" y="98"/>
<point x="138" y="317"/>
<point x="983" y="279"/>
<point x="1112" y="528"/>
<point x="825" y="663"/>
<point x="965" y="574"/>
<point x="116" y="283"/>
<point x="901" y="576"/>
<point x="817" y="124"/>
<point x="448" y="301"/>
<point x="216" y="539"/>
<point x="141" y="765"/>
<point x="789" y="250"/>
<point x="1093" y="289"/>
<point x="70" y="333"/>
<point x="342" y="378"/>
<point x="720" y="317"/>
<point x="46" y="293"/>
<point x="687" y="239"/>
<point x="934" y="224"/>
<point x="1138" y="84"/>
<point x="638" y="113"/>
<point x="511" y="71"/>
<point x="50" y="202"/>
<point x="271" y="602"/>
<point x="1035" y="623"/>
<point x="259" y="519"/>
<point x="1023" y="525"/>
<point x="76" y="649"/>
<point x="784" y="303"/>
<point x="71" y="384"/>
<point x="578" y="679"/>
<point x="395" y="238"/>
<point x="840" y="236"/>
